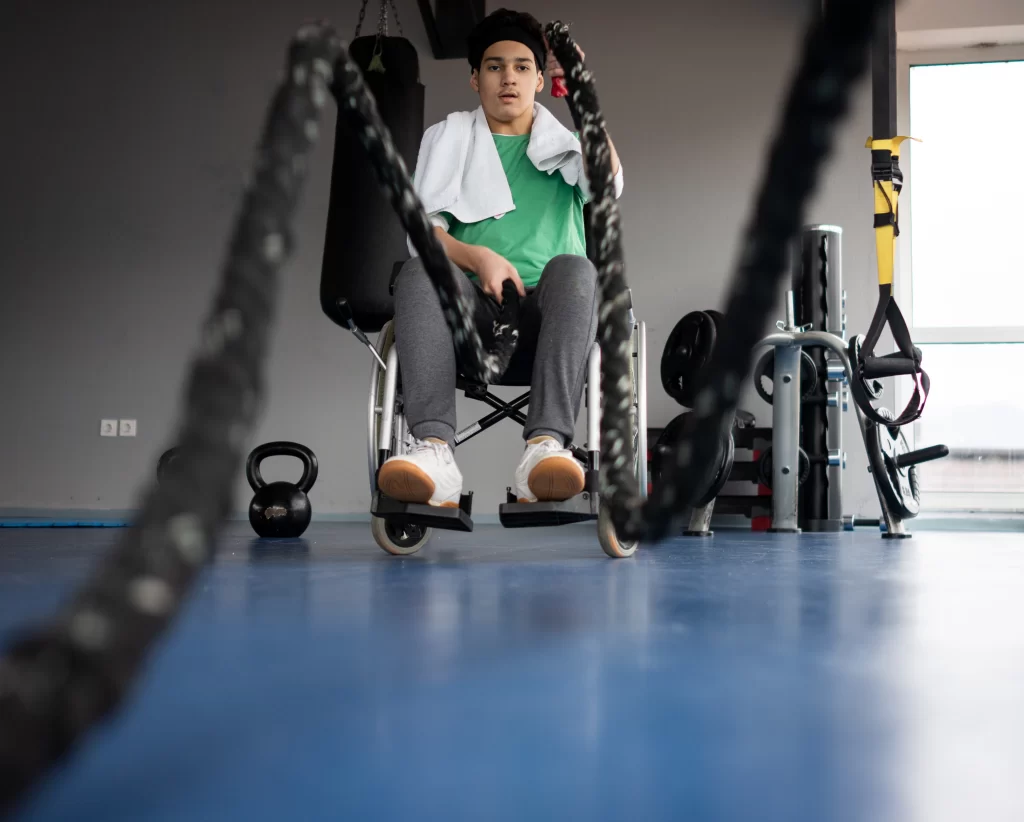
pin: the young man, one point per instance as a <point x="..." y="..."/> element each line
<point x="504" y="186"/>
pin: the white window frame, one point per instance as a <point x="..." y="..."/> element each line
<point x="904" y="286"/>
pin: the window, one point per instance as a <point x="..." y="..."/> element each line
<point x="961" y="270"/>
<point x="976" y="407"/>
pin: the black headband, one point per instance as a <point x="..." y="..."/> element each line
<point x="517" y="35"/>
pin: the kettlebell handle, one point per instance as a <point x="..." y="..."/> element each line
<point x="310" y="468"/>
<point x="164" y="463"/>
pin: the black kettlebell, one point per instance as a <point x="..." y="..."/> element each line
<point x="164" y="463"/>
<point x="280" y="510"/>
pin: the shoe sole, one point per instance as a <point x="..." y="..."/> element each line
<point x="405" y="482"/>
<point x="555" y="479"/>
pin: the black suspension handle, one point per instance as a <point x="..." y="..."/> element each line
<point x="932" y="452"/>
<point x="889" y="365"/>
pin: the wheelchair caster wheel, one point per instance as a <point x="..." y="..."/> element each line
<point x="400" y="540"/>
<point x="610" y="543"/>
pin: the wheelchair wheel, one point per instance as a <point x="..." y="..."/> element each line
<point x="375" y="406"/>
<point x="400" y="540"/>
<point x="610" y="543"/>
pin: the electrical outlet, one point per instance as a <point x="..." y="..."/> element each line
<point x="108" y="428"/>
<point x="126" y="428"/>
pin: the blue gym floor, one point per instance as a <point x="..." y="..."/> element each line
<point x="521" y="675"/>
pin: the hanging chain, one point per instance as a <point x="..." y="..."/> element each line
<point x="398" y="23"/>
<point x="382" y="20"/>
<point x="362" y="17"/>
<point x="377" y="62"/>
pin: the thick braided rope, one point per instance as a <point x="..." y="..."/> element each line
<point x="833" y="57"/>
<point x="58" y="680"/>
<point x="614" y="334"/>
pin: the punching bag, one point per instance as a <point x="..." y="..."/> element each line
<point x="364" y="237"/>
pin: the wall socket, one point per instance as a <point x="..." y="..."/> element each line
<point x="126" y="428"/>
<point x="108" y="428"/>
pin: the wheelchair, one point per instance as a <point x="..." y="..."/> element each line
<point x="403" y="528"/>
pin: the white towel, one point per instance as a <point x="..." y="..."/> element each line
<point x="459" y="171"/>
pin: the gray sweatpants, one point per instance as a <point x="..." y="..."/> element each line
<point x="557" y="326"/>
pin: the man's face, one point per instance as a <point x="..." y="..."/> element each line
<point x="507" y="81"/>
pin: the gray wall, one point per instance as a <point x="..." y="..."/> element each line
<point x="124" y="156"/>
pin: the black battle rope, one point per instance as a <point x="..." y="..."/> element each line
<point x="62" y="678"/>
<point x="834" y="56"/>
<point x="58" y="680"/>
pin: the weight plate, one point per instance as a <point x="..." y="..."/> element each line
<point x="718" y="318"/>
<point x="764" y="372"/>
<point x="665" y="447"/>
<point x="164" y="463"/>
<point x="898" y="486"/>
<point x="726" y="458"/>
<point x="764" y="467"/>
<point x="808" y="374"/>
<point x="864" y="391"/>
<point x="744" y="419"/>
<point x="687" y="351"/>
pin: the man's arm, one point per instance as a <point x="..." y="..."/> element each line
<point x="490" y="267"/>
<point x="614" y="153"/>
<point x="554" y="69"/>
<point x="460" y="253"/>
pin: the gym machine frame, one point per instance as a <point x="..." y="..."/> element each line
<point x="788" y="343"/>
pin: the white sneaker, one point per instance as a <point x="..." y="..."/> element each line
<point x="547" y="473"/>
<point x="426" y="473"/>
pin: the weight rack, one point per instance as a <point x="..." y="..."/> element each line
<point x="785" y="432"/>
<point x="820" y="305"/>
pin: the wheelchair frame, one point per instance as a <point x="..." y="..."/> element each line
<point x="403" y="528"/>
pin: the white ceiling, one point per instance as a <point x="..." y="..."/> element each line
<point x="959" y="38"/>
<point x="937" y="15"/>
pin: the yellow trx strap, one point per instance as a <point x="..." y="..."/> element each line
<point x="887" y="180"/>
<point x="887" y="192"/>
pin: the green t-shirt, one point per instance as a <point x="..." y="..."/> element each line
<point x="547" y="220"/>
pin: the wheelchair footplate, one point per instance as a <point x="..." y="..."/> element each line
<point x="581" y="508"/>
<point x="427" y="516"/>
